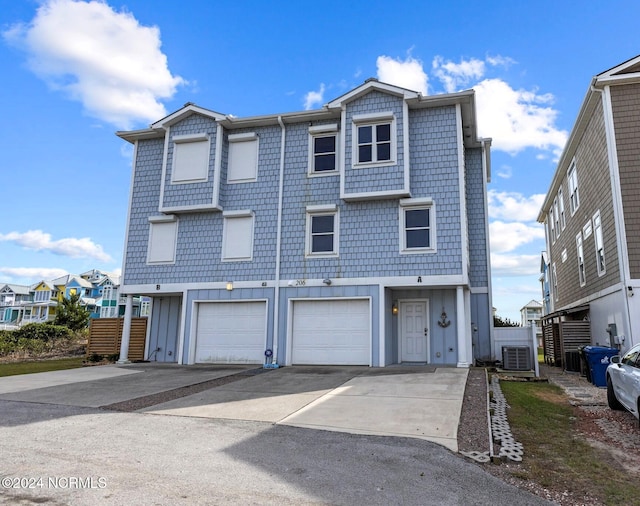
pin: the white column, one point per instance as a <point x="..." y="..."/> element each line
<point x="461" y="323"/>
<point x="126" y="331"/>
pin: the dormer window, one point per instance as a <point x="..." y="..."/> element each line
<point x="375" y="141"/>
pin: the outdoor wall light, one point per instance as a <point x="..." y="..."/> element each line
<point x="229" y="285"/>
<point x="326" y="281"/>
<point x="394" y="310"/>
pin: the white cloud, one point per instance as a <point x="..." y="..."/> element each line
<point x="505" y="172"/>
<point x="507" y="237"/>
<point x="33" y="273"/>
<point x="314" y="98"/>
<point x="407" y="73"/>
<point x="514" y="265"/>
<point x="513" y="205"/>
<point x="102" y="58"/>
<point x="70" y="246"/>
<point x="514" y="119"/>
<point x="517" y="119"/>
<point x="455" y="76"/>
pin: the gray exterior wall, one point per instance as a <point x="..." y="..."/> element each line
<point x="594" y="186"/>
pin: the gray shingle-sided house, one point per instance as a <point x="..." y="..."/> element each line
<point x="353" y="234"/>
<point x="592" y="212"/>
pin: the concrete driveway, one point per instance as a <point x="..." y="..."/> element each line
<point x="420" y="401"/>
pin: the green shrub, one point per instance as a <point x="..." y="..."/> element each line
<point x="42" y="332"/>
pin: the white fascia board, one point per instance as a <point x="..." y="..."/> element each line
<point x="372" y="85"/>
<point x="184" y="112"/>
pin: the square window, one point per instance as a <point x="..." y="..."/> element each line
<point x="322" y="233"/>
<point x="374" y="138"/>
<point x="190" y="159"/>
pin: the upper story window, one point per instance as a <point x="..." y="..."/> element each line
<point x="42" y="296"/>
<point x="580" y="253"/>
<point x="374" y="139"/>
<point x="243" y="158"/>
<point x="554" y="281"/>
<point x="563" y="221"/>
<point x="163" y="239"/>
<point x="574" y="197"/>
<point x="556" y="215"/>
<point x="190" y="158"/>
<point x="417" y="226"/>
<point x="599" y="242"/>
<point x="322" y="231"/>
<point x="552" y="225"/>
<point x="323" y="149"/>
<point x="237" y="237"/>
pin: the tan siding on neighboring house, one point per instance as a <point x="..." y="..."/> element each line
<point x="594" y="188"/>
<point x="625" y="102"/>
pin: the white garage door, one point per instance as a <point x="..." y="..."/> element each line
<point x="331" y="332"/>
<point x="231" y="332"/>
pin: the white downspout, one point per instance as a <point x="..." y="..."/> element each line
<point x="276" y="294"/>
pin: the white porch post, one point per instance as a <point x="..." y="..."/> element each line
<point x="126" y="331"/>
<point x="461" y="321"/>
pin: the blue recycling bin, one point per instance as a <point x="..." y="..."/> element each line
<point x="598" y="359"/>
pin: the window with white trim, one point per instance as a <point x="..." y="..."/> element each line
<point x="599" y="242"/>
<point x="243" y="158"/>
<point x="557" y="216"/>
<point x="322" y="231"/>
<point x="580" y="253"/>
<point x="554" y="281"/>
<point x="552" y="225"/>
<point x="190" y="158"/>
<point x="323" y="149"/>
<point x="574" y="197"/>
<point x="563" y="221"/>
<point x="237" y="236"/>
<point x="417" y="226"/>
<point x="163" y="237"/>
<point x="374" y="139"/>
<point x="42" y="296"/>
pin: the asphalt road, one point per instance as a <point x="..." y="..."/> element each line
<point x="53" y="454"/>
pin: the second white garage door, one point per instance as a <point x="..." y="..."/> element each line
<point x="331" y="332"/>
<point x="231" y="332"/>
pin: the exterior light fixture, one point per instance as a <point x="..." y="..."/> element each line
<point x="229" y="285"/>
<point x="326" y="281"/>
<point x="394" y="310"/>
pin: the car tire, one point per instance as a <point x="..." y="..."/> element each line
<point x="612" y="400"/>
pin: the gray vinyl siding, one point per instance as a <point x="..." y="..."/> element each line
<point x="626" y="113"/>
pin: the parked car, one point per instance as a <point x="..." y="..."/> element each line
<point x="623" y="381"/>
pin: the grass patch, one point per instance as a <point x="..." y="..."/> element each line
<point x="14" y="368"/>
<point x="555" y="455"/>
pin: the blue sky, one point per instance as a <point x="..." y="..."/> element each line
<point x="75" y="72"/>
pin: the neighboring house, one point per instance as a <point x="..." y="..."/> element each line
<point x="531" y="313"/>
<point x="13" y="299"/>
<point x="353" y="234"/>
<point x="592" y="212"/>
<point x="44" y="304"/>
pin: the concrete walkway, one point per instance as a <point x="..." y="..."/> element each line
<point x="419" y="401"/>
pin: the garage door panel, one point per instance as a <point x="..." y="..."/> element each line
<point x="231" y="332"/>
<point x="331" y="332"/>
